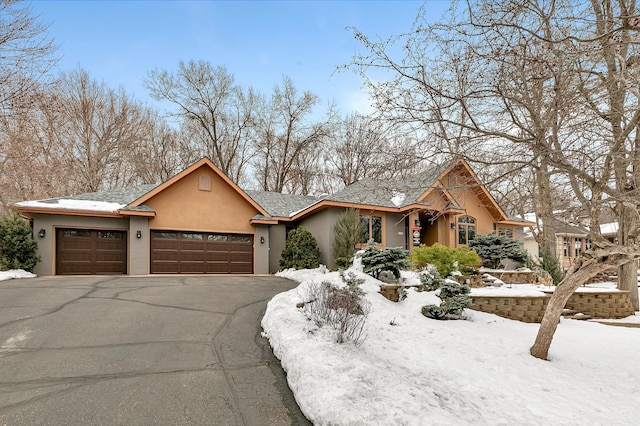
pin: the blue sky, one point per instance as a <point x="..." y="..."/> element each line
<point x="118" y="42"/>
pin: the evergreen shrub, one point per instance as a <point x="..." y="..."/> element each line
<point x="347" y="232"/>
<point x="18" y="249"/>
<point x="455" y="298"/>
<point x="375" y="260"/>
<point x="493" y="248"/>
<point x="301" y="250"/>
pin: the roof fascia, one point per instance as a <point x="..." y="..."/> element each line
<point x="203" y="162"/>
<point x="328" y="203"/>
<point x="135" y="213"/>
<point x="65" y="212"/>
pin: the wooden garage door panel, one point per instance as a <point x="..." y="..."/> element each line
<point x="90" y="252"/>
<point x="200" y="253"/>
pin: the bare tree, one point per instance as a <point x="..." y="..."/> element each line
<point x="103" y="128"/>
<point x="27" y="54"/>
<point x="548" y="81"/>
<point x="217" y="113"/>
<point x="286" y="133"/>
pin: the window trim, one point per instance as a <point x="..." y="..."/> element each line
<point x="466" y="224"/>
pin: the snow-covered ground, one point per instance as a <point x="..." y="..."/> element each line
<point x="412" y="370"/>
<point x="15" y="273"/>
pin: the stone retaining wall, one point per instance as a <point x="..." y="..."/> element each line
<point x="614" y="304"/>
<point x="515" y="277"/>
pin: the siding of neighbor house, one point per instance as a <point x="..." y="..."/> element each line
<point x="46" y="245"/>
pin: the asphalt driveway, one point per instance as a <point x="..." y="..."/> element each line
<point x="140" y="350"/>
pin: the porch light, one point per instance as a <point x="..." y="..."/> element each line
<point x="138" y="234"/>
<point x="41" y="233"/>
<point x="453" y="225"/>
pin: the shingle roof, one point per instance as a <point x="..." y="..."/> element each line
<point x="283" y="205"/>
<point x="122" y="196"/>
<point x="397" y="193"/>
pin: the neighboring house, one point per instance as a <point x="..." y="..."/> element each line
<point x="199" y="221"/>
<point x="570" y="241"/>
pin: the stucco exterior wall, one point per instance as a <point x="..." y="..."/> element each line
<point x="395" y="230"/>
<point x="46" y="245"/>
<point x="183" y="206"/>
<point x="277" y="240"/>
<point x="261" y="250"/>
<point x="320" y="225"/>
<point x="139" y="249"/>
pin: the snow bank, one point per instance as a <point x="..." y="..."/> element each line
<point x="412" y="370"/>
<point x="15" y="273"/>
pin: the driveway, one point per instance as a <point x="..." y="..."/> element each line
<point x="140" y="350"/>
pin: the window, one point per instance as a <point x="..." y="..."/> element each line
<point x="372" y="229"/>
<point x="505" y="232"/>
<point x="587" y="244"/>
<point x="567" y="247"/>
<point x="76" y="233"/>
<point x="241" y="239"/>
<point x="578" y="245"/>
<point x="165" y="235"/>
<point x="466" y="229"/>
<point x="191" y="236"/>
<point x="217" y="237"/>
<point x="110" y="235"/>
<point x="204" y="183"/>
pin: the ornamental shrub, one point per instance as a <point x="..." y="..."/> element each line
<point x="455" y="298"/>
<point x="18" y="249"/>
<point x="493" y="248"/>
<point x="347" y="232"/>
<point x="375" y="260"/>
<point x="301" y="250"/>
<point x="431" y="279"/>
<point x="445" y="259"/>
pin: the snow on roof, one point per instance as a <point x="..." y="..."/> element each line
<point x="69" y="204"/>
<point x="609" y="228"/>
<point x="398" y="198"/>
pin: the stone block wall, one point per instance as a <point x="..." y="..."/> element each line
<point x="524" y="308"/>
<point x="614" y="304"/>
<point x="516" y="277"/>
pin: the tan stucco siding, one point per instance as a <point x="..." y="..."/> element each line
<point x="139" y="247"/>
<point x="46" y="245"/>
<point x="261" y="252"/>
<point x="183" y="206"/>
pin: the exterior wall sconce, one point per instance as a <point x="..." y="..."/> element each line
<point x="41" y="233"/>
<point x="418" y="224"/>
<point x="453" y="225"/>
<point x="138" y="234"/>
<point x="261" y="240"/>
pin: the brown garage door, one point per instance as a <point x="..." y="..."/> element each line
<point x="90" y="252"/>
<point x="201" y="253"/>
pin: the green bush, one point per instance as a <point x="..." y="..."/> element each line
<point x="18" y="249"/>
<point x="347" y="232"/>
<point x="493" y="248"/>
<point x="445" y="259"/>
<point x="455" y="298"/>
<point x="551" y="264"/>
<point x="374" y="261"/>
<point x="431" y="280"/>
<point x="301" y="251"/>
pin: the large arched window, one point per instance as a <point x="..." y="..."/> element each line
<point x="466" y="229"/>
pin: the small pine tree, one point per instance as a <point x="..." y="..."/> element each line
<point x="18" y="249"/>
<point x="347" y="232"/>
<point x="551" y="264"/>
<point x="493" y="248"/>
<point x="374" y="261"/>
<point x="431" y="280"/>
<point x="301" y="250"/>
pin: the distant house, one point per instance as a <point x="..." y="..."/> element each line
<point x="570" y="241"/>
<point x="199" y="221"/>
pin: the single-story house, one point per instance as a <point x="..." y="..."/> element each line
<point x="199" y="221"/>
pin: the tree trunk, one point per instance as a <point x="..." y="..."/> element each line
<point x="628" y="280"/>
<point x="577" y="275"/>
